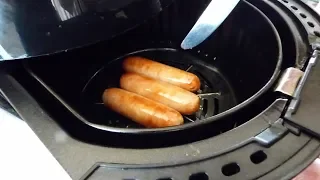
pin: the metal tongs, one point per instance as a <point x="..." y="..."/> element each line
<point x="213" y="16"/>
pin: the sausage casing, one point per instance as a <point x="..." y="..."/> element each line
<point x="140" y="109"/>
<point x="159" y="71"/>
<point x="175" y="97"/>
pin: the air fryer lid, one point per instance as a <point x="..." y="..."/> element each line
<point x="40" y="27"/>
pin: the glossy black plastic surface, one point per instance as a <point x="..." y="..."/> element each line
<point x="40" y="27"/>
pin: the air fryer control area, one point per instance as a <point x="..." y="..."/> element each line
<point x="263" y="77"/>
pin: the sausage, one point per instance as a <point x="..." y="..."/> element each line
<point x="158" y="71"/>
<point x="172" y="96"/>
<point x="140" y="109"/>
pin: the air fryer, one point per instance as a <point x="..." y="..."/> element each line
<point x="245" y="128"/>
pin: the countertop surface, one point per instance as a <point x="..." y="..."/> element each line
<point x="23" y="155"/>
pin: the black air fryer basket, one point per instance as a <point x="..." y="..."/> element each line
<point x="249" y="125"/>
<point x="225" y="63"/>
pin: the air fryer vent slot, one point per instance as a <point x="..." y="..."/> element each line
<point x="230" y="169"/>
<point x="258" y="157"/>
<point x="317" y="33"/>
<point x="310" y="24"/>
<point x="199" y="176"/>
<point x="303" y="15"/>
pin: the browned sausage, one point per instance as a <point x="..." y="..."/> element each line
<point x="158" y="71"/>
<point x="140" y="109"/>
<point x="173" y="96"/>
